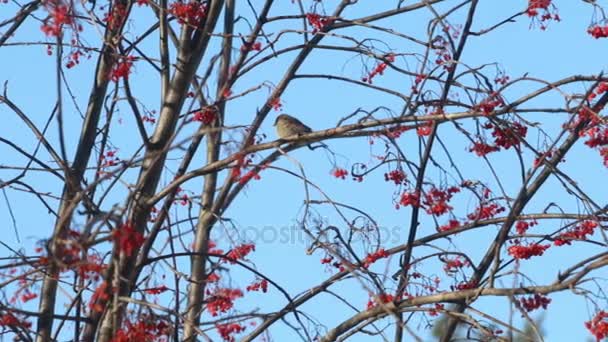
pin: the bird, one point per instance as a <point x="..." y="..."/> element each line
<point x="287" y="126"/>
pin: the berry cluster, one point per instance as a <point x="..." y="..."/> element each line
<point x="240" y="252"/>
<point x="382" y="298"/>
<point x="579" y="232"/>
<point x="260" y="285"/>
<point x="453" y="265"/>
<point x="487" y="105"/>
<point x="373" y="257"/>
<point x="142" y="330"/>
<point x="318" y="22"/>
<point x="121" y="68"/>
<point x="526" y="252"/>
<point x="522" y="226"/>
<point x="339" y="173"/>
<point x="598" y="31"/>
<point x="221" y="300"/>
<point x="598" y="325"/>
<point x="191" y="13"/>
<point x="379" y="69"/>
<point x="396" y="176"/>
<point x="226" y="330"/>
<point x="534" y="302"/>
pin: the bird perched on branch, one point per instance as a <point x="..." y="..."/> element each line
<point x="287" y="126"/>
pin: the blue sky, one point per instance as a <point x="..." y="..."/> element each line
<point x="275" y="201"/>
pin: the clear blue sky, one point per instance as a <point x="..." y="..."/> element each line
<point x="274" y="202"/>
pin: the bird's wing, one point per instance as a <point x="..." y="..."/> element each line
<point x="304" y="127"/>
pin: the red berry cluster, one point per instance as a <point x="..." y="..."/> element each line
<point x="486" y="211"/>
<point x="74" y="59"/>
<point x="382" y="298"/>
<point x="453" y="265"/>
<point x="396" y="176"/>
<point x="251" y="174"/>
<point x="116" y="15"/>
<point x="240" y="252"/>
<point x="599" y="90"/>
<point x="509" y="136"/>
<point x="435" y="311"/>
<point x="410" y="198"/>
<point x="465" y="285"/>
<point x="598" y="31"/>
<point x="455" y="30"/>
<point x="206" y="116"/>
<point x="330" y="260"/>
<point x="221" y="300"/>
<point x="597" y="136"/>
<point x="339" y="173"/>
<point x="379" y="69"/>
<point x="526" y="252"/>
<point x="100" y="296"/>
<point x="226" y="330"/>
<point x="149" y="117"/>
<point x="504" y="137"/>
<point x="12" y="321"/>
<point x="534" y="5"/>
<point x="373" y="257"/>
<point x="127" y="238"/>
<point x="213" y="278"/>
<point x="444" y="58"/>
<point x="23" y="292"/>
<point x="191" y="13"/>
<point x="121" y="68"/>
<point x="257" y="286"/>
<point x="318" y="22"/>
<point x="534" y="302"/>
<point x="545" y="9"/>
<point x="542" y="156"/>
<point x="327" y="259"/>
<point x="580" y="232"/>
<point x="436" y="200"/>
<point x="109" y="159"/>
<point x="481" y="148"/>
<point x="419" y="78"/>
<point x="452" y="224"/>
<point x="276" y="104"/>
<point x="487" y="105"/>
<point x="255" y="46"/>
<point x="156" y="290"/>
<point x="598" y="325"/>
<point x="590" y="118"/>
<point x="425" y="129"/>
<point x="243" y="163"/>
<point x="60" y="15"/>
<point x="142" y="330"/>
<point x="183" y="199"/>
<point x="90" y="268"/>
<point x="522" y="226"/>
<point x="604" y="154"/>
<point x="501" y="79"/>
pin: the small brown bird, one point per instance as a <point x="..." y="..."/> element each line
<point x="287" y="126"/>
